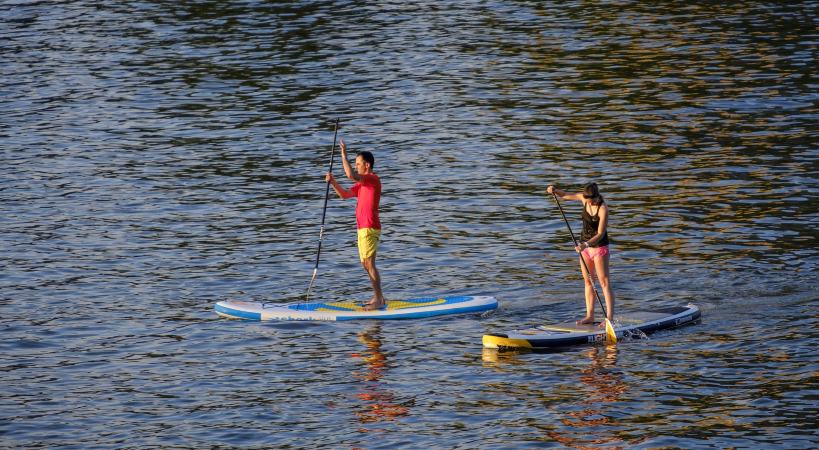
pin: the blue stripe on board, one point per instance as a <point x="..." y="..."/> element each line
<point x="238" y="313"/>
<point x="422" y="314"/>
<point x="315" y="306"/>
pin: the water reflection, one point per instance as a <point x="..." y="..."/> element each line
<point x="376" y="403"/>
<point x="581" y="414"/>
<point x="602" y="384"/>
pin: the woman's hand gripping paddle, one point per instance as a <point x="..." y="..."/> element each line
<point x="323" y="214"/>
<point x="611" y="335"/>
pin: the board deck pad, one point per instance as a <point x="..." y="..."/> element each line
<point x="570" y="333"/>
<point x="414" y="308"/>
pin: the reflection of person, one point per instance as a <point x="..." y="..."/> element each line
<point x="380" y="404"/>
<point x="376" y="361"/>
<point x="368" y="191"/>
<point x="603" y="384"/>
<point x="593" y="247"/>
<point x="601" y="376"/>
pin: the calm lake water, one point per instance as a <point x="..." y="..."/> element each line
<point x="157" y="157"/>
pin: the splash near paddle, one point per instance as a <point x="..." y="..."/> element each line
<point x="415" y="308"/>
<point x="569" y="333"/>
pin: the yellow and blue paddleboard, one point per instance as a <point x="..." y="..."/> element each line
<point x="415" y="308"/>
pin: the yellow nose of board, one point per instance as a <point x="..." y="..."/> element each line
<point x="492" y="341"/>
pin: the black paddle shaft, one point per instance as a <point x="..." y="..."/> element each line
<point x="582" y="261"/>
<point x="326" y="195"/>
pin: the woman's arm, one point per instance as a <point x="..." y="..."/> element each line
<point x="563" y="194"/>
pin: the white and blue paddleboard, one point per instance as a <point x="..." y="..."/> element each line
<point x="568" y="334"/>
<point x="415" y="308"/>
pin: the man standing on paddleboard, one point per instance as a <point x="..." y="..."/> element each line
<point x="593" y="246"/>
<point x="367" y="189"/>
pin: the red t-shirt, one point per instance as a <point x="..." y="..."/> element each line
<point x="368" y="191"/>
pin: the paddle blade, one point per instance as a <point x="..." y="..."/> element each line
<point x="611" y="336"/>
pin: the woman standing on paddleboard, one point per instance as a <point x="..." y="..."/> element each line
<point x="593" y="247"/>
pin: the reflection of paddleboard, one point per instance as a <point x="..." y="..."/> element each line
<point x="415" y="308"/>
<point x="565" y="334"/>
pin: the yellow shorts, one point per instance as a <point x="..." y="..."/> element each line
<point x="368" y="242"/>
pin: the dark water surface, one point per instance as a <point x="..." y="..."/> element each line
<point x="157" y="157"/>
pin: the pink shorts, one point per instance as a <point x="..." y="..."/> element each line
<point x="595" y="252"/>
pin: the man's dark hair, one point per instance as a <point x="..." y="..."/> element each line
<point x="368" y="157"/>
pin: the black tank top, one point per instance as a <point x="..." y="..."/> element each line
<point x="590" y="227"/>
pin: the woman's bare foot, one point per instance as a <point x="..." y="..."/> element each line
<point x="585" y="321"/>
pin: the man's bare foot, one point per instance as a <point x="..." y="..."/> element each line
<point x="585" y="321"/>
<point x="368" y="302"/>
<point x="374" y="306"/>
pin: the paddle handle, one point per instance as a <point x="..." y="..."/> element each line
<point x="582" y="261"/>
<point x="327" y="189"/>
